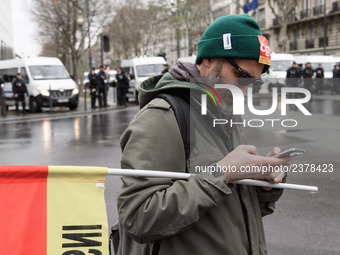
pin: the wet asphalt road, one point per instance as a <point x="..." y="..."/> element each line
<point x="304" y="223"/>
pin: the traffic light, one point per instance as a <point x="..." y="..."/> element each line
<point x="106" y="43"/>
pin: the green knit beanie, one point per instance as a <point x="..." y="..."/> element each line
<point x="234" y="36"/>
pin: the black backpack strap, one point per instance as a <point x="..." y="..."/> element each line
<point x="181" y="109"/>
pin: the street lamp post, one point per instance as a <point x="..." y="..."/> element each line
<point x="80" y="22"/>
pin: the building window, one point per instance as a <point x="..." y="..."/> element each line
<point x="323" y="41"/>
<point x="319" y="9"/>
<point x="305" y="13"/>
<point x="293" y="40"/>
<point x="261" y="18"/>
<point x="294" y="15"/>
<point x="336" y="6"/>
<point x="310" y="38"/>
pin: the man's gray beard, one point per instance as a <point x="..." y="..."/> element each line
<point x="214" y="78"/>
<point x="226" y="110"/>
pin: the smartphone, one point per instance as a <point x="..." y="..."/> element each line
<point x="292" y="152"/>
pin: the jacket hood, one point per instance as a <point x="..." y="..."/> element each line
<point x="176" y="80"/>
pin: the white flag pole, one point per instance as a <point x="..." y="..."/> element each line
<point x="176" y="175"/>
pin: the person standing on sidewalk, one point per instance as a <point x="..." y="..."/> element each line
<point x="307" y="74"/>
<point x="122" y="86"/>
<point x="93" y="87"/>
<point x="102" y="90"/>
<point x="319" y="75"/>
<point x="335" y="81"/>
<point x="293" y="77"/>
<point x="19" y="90"/>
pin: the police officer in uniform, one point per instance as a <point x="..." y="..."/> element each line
<point x="19" y="90"/>
<point x="293" y="77"/>
<point x="307" y="74"/>
<point x="102" y="90"/>
<point x="319" y="74"/>
<point x="122" y="86"/>
<point x="93" y="87"/>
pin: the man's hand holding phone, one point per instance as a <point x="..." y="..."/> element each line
<point x="249" y="165"/>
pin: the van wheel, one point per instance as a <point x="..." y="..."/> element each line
<point x="73" y="107"/>
<point x="34" y="106"/>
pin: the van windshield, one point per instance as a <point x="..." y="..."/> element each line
<point x="149" y="70"/>
<point x="281" y="65"/>
<point x="49" y="72"/>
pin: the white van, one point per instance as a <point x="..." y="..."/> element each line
<point x="47" y="81"/>
<point x="140" y="69"/>
<point x="276" y="75"/>
<point x="189" y="59"/>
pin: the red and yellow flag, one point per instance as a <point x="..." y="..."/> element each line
<point x="53" y="210"/>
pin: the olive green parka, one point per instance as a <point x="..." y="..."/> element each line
<point x="200" y="215"/>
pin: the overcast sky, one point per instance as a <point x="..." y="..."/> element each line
<point x="24" y="29"/>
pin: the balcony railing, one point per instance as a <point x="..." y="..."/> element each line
<point x="292" y="17"/>
<point x="305" y="14"/>
<point x="275" y="22"/>
<point x="309" y="43"/>
<point x="322" y="41"/>
<point x="318" y="10"/>
<point x="336" y="6"/>
<point x="293" y="45"/>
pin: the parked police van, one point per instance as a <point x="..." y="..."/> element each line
<point x="47" y="82"/>
<point x="140" y="69"/>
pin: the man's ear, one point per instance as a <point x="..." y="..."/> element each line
<point x="206" y="62"/>
<point x="204" y="67"/>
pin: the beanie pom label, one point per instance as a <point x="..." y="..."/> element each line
<point x="227" y="41"/>
<point x="265" y="52"/>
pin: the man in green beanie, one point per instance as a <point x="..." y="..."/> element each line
<point x="207" y="213"/>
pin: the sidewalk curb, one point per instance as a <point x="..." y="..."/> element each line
<point x="56" y="114"/>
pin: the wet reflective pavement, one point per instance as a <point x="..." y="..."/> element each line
<point x="64" y="140"/>
<point x="304" y="223"/>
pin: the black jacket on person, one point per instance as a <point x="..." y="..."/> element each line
<point x="122" y="79"/>
<point x="307" y="72"/>
<point x="101" y="79"/>
<point x="19" y="88"/>
<point x="93" y="80"/>
<point x="293" y="76"/>
<point x="293" y="72"/>
<point x="319" y="72"/>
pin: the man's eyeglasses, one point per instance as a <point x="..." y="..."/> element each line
<point x="244" y="78"/>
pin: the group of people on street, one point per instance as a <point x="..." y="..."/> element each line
<point x="98" y="87"/>
<point x="294" y="73"/>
